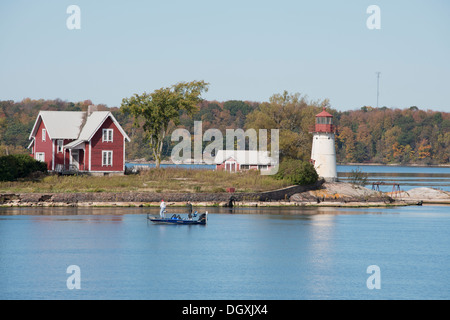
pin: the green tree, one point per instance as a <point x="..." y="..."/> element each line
<point x="236" y="105"/>
<point x="17" y="166"/>
<point x="297" y="172"/>
<point x="155" y="111"/>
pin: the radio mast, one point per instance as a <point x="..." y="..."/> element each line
<point x="378" y="87"/>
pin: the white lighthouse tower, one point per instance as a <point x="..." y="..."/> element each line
<point x="323" y="154"/>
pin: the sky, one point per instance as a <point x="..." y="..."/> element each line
<point x="246" y="50"/>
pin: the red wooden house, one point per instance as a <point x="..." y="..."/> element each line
<point x="91" y="142"/>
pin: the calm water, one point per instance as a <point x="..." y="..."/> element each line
<point x="251" y="254"/>
<point x="407" y="177"/>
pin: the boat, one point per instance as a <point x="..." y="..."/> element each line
<point x="177" y="219"/>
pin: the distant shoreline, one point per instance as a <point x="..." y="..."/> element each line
<point x="166" y="162"/>
<point x="395" y="165"/>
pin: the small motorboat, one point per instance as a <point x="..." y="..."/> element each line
<point x="177" y="219"/>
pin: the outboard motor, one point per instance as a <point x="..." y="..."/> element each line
<point x="203" y="217"/>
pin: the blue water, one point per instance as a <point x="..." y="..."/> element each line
<point x="270" y="253"/>
<point x="406" y="176"/>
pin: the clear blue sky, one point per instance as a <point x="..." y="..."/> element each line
<point x="245" y="49"/>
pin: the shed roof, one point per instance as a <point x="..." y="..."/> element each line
<point x="243" y="157"/>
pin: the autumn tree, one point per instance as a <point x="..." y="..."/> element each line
<point x="155" y="111"/>
<point x="347" y="138"/>
<point x="292" y="114"/>
<point x="423" y="150"/>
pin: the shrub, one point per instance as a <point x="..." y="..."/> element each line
<point x="358" y="177"/>
<point x="297" y="172"/>
<point x="17" y="166"/>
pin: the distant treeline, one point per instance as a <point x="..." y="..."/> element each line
<point x="382" y="135"/>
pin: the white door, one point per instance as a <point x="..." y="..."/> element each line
<point x="76" y="158"/>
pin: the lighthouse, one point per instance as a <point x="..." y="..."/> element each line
<point x="323" y="154"/>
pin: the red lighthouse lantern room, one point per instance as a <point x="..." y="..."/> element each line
<point x="324" y="122"/>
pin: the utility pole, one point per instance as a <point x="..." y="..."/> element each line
<point x="378" y="86"/>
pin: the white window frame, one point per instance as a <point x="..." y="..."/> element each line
<point x="38" y="155"/>
<point x="44" y="135"/>
<point x="60" y="146"/>
<point x="109" y="158"/>
<point x="107" y="135"/>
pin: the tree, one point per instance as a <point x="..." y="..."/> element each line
<point x="236" y="105"/>
<point x="297" y="172"/>
<point x="347" y="138"/>
<point x="155" y="111"/>
<point x="292" y="114"/>
<point x="17" y="166"/>
<point x="423" y="150"/>
<point x="390" y="138"/>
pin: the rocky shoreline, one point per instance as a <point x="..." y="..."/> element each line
<point x="336" y="194"/>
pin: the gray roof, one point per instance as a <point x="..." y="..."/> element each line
<point x="244" y="157"/>
<point x="60" y="124"/>
<point x="93" y="122"/>
<point x="73" y="125"/>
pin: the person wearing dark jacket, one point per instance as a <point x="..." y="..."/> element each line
<point x="189" y="208"/>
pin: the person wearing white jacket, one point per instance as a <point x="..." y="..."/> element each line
<point x="163" y="209"/>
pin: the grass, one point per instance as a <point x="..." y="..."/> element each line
<point x="153" y="180"/>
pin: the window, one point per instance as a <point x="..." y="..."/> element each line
<point x="107" y="157"/>
<point x="60" y="146"/>
<point x="107" y="135"/>
<point x="323" y="120"/>
<point x="44" y="134"/>
<point x="40" y="156"/>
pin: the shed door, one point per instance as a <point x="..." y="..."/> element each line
<point x="230" y="166"/>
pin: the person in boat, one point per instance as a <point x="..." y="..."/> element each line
<point x="189" y="209"/>
<point x="162" y="210"/>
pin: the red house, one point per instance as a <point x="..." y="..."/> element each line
<point x="90" y="142"/>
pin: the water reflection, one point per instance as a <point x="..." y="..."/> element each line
<point x="320" y="258"/>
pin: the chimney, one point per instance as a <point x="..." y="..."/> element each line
<point x="91" y="109"/>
